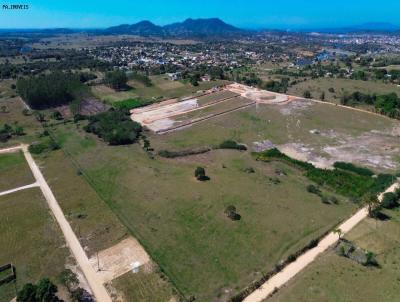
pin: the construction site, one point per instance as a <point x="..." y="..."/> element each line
<point x="175" y="114"/>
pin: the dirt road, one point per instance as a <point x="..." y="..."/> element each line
<point x="19" y="189"/>
<point x="295" y="267"/>
<point x="95" y="283"/>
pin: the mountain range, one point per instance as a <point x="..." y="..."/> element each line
<point x="187" y="28"/>
<point x="196" y="28"/>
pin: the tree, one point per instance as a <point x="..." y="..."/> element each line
<point x="69" y="279"/>
<point x="307" y="94"/>
<point x="323" y="96"/>
<point x="44" y="291"/>
<point x="371" y="200"/>
<point x="231" y="212"/>
<point x="390" y="200"/>
<point x="200" y="174"/>
<point x="27" y="293"/>
<point x="339" y="232"/>
<point x="117" y="79"/>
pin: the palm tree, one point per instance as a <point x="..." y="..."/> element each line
<point x="373" y="204"/>
<point x="339" y="232"/>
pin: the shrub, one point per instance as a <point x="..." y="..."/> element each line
<point x="37" y="148"/>
<point x="129" y="104"/>
<point x="353" y="168"/>
<point x="229" y="144"/>
<point x="230" y="211"/>
<point x="341" y="181"/>
<point x="313" y="190"/>
<point x="182" y="153"/>
<point x="389" y="201"/>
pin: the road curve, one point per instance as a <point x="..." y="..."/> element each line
<point x="97" y="287"/>
<point x="302" y="261"/>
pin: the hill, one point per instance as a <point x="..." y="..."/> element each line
<point x="187" y="28"/>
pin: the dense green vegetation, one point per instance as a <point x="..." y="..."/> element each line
<point x="388" y="104"/>
<point x="130" y="103"/>
<point x="141" y="78"/>
<point x="8" y="131"/>
<point x="353" y="184"/>
<point x="230" y="144"/>
<point x="117" y="79"/>
<point x="51" y="90"/>
<point x="353" y="168"/>
<point x="44" y="291"/>
<point x="115" y="127"/>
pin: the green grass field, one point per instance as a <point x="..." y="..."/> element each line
<point x="14" y="171"/>
<point x="333" y="278"/>
<point x="12" y="115"/>
<point x="144" y="287"/>
<point x="181" y="221"/>
<point x="162" y="89"/>
<point x="317" y="86"/>
<point x="91" y="219"/>
<point x="35" y="246"/>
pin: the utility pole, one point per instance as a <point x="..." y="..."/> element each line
<point x="98" y="262"/>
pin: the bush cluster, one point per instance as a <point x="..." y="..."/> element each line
<point x="114" y="127"/>
<point x="230" y="144"/>
<point x="352" y="183"/>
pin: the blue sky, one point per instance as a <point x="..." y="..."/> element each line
<point x="283" y="14"/>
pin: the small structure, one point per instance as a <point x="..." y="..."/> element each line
<point x="206" y="78"/>
<point x="174" y="76"/>
<point x="135" y="266"/>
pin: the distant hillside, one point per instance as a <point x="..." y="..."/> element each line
<point x="187" y="28"/>
<point x="195" y="27"/>
<point x="143" y="28"/>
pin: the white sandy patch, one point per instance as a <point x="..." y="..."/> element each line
<point x="116" y="261"/>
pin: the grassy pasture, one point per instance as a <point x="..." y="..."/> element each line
<point x="317" y="86"/>
<point x="14" y="171"/>
<point x="35" y="246"/>
<point x="333" y="278"/>
<point x="143" y="286"/>
<point x="162" y="89"/>
<point x="92" y="221"/>
<point x="181" y="221"/>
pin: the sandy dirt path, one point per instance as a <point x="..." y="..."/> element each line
<point x="19" y="189"/>
<point x="95" y="283"/>
<point x="295" y="267"/>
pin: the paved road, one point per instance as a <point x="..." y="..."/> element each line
<point x="295" y="267"/>
<point x="19" y="189"/>
<point x="97" y="287"/>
